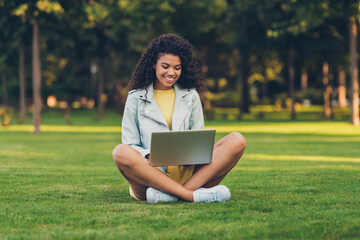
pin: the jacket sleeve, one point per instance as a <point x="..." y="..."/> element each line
<point x="197" y="116"/>
<point x="130" y="131"/>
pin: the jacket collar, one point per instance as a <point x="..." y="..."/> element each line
<point x="149" y="95"/>
<point x="181" y="107"/>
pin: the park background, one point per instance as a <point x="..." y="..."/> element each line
<point x="283" y="73"/>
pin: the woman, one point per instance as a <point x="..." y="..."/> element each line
<point x="163" y="97"/>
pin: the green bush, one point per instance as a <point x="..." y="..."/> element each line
<point x="5" y="115"/>
<point x="225" y="99"/>
<point x="315" y="96"/>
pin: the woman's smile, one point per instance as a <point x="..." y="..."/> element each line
<point x="170" y="79"/>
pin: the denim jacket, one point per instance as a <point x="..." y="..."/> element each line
<point x="142" y="116"/>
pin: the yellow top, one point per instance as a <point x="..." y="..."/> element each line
<point x="166" y="100"/>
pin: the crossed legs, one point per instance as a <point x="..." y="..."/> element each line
<point x="141" y="175"/>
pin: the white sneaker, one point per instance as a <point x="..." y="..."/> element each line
<point x="155" y="196"/>
<point x="219" y="193"/>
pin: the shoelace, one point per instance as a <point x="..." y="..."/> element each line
<point x="160" y="194"/>
<point x="213" y="196"/>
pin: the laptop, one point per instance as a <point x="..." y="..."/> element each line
<point x="188" y="147"/>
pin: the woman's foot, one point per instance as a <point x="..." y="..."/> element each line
<point x="156" y="196"/>
<point x="219" y="193"/>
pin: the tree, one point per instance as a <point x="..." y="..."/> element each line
<point x="354" y="91"/>
<point x="14" y="37"/>
<point x="4" y="79"/>
<point x="292" y="80"/>
<point x="22" y="82"/>
<point x="330" y="51"/>
<point x="98" y="15"/>
<point x="248" y="36"/>
<point x="341" y="88"/>
<point x="32" y="12"/>
<point x="36" y="74"/>
<point x="349" y="10"/>
<point x="6" y="47"/>
<point x="327" y="91"/>
<point x="302" y="20"/>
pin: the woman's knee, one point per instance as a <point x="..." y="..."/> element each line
<point x="238" y="142"/>
<point x="120" y="154"/>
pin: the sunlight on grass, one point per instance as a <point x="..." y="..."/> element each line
<point x="10" y="153"/>
<point x="300" y="158"/>
<point x="50" y="168"/>
<point x="62" y="128"/>
<point x="324" y="128"/>
<point x="298" y="168"/>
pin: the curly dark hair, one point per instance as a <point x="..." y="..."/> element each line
<point x="144" y="73"/>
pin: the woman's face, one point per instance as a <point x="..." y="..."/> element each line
<point x="168" y="71"/>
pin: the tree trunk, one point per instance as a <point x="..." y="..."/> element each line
<point x="292" y="82"/>
<point x="342" y="89"/>
<point x="245" y="85"/>
<point x="94" y="81"/>
<point x="118" y="100"/>
<point x="116" y="89"/>
<point x="5" y="86"/>
<point x="304" y="80"/>
<point x="22" y="84"/>
<point x="209" y="111"/>
<point x="327" y="90"/>
<point x="354" y="84"/>
<point x="264" y="86"/>
<point x="100" y="93"/>
<point x="203" y="54"/>
<point x="36" y="77"/>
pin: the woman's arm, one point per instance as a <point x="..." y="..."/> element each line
<point x="130" y="131"/>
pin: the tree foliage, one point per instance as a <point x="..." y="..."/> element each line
<point x="241" y="45"/>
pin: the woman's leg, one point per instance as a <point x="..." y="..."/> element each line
<point x="141" y="175"/>
<point x="227" y="152"/>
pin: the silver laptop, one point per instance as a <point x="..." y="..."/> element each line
<point x="182" y="147"/>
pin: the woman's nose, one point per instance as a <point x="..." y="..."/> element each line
<point x="171" y="71"/>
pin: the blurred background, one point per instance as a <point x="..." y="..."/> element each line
<point x="259" y="57"/>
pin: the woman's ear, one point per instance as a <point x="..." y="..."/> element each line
<point x="154" y="66"/>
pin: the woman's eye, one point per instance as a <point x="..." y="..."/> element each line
<point x="165" y="67"/>
<point x="177" y="69"/>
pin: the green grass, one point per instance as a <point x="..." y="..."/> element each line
<point x="296" y="180"/>
<point x="269" y="112"/>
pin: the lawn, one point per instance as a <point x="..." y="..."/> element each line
<point x="296" y="180"/>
